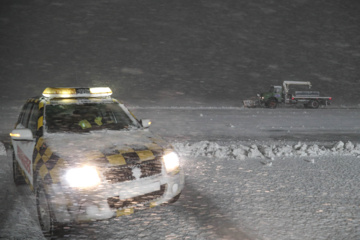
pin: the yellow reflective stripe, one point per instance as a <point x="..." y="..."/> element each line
<point x="41" y="104"/>
<point x="132" y="114"/>
<point x="38" y="157"/>
<point x="117" y="159"/>
<point x="47" y="154"/>
<point x="40" y="122"/>
<point x="55" y="172"/>
<point x="43" y="171"/>
<point x="39" y="143"/>
<point x="145" y="155"/>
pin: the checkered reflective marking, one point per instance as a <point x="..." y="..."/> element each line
<point x="47" y="164"/>
<point x="40" y="123"/>
<point x="131" y="154"/>
<point x="148" y="161"/>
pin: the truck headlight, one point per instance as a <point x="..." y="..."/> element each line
<point x="82" y="177"/>
<point x="172" y="162"/>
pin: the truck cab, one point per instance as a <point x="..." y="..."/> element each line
<point x="272" y="97"/>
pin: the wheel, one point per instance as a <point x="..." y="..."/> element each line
<point x="45" y="214"/>
<point x="17" y="176"/>
<point x="313" y="104"/>
<point x="271" y="103"/>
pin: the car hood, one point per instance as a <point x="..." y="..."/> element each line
<point x="109" y="147"/>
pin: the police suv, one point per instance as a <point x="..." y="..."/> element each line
<point x="86" y="157"/>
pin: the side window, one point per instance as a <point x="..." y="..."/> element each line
<point x="26" y="114"/>
<point x="21" y="115"/>
<point x="34" y="118"/>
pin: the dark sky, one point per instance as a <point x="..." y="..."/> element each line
<point x="211" y="52"/>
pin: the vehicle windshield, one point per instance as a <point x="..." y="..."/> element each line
<point x="275" y="89"/>
<point x="87" y="117"/>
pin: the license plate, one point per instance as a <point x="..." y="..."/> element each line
<point x="139" y="190"/>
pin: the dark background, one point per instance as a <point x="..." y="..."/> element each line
<point x="180" y="53"/>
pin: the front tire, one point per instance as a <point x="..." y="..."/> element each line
<point x="17" y="176"/>
<point x="45" y="214"/>
<point x="271" y="103"/>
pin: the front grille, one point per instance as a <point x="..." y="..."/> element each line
<point x="115" y="202"/>
<point x="124" y="173"/>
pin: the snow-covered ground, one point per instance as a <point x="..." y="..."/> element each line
<point x="224" y="124"/>
<point x="235" y="151"/>
<point x="293" y="197"/>
<point x="236" y="188"/>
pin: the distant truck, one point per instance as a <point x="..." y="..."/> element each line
<point x="283" y="94"/>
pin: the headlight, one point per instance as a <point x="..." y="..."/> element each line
<point x="172" y="162"/>
<point x="83" y="177"/>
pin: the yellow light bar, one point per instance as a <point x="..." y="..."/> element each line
<point x="77" y="92"/>
<point x="59" y="92"/>
<point x="101" y="90"/>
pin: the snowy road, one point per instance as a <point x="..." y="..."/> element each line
<point x="224" y="199"/>
<point x="288" y="196"/>
<point x="230" y="123"/>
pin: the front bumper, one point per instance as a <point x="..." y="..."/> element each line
<point x="113" y="200"/>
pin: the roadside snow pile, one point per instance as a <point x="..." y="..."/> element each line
<point x="239" y="151"/>
<point x="2" y="149"/>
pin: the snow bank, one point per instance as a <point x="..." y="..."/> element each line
<point x="239" y="151"/>
<point x="2" y="149"/>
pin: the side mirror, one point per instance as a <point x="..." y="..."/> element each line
<point x="22" y="134"/>
<point x="145" y="123"/>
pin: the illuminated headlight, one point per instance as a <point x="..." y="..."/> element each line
<point x="82" y="177"/>
<point x="172" y="162"/>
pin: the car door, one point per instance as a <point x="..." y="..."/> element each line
<point x="24" y="148"/>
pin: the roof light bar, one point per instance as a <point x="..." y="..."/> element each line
<point x="100" y="90"/>
<point x="77" y="92"/>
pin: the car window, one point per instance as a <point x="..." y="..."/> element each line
<point x="34" y="118"/>
<point x="87" y="117"/>
<point x="21" y="114"/>
<point x="25" y="114"/>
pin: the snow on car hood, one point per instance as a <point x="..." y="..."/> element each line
<point x="94" y="145"/>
